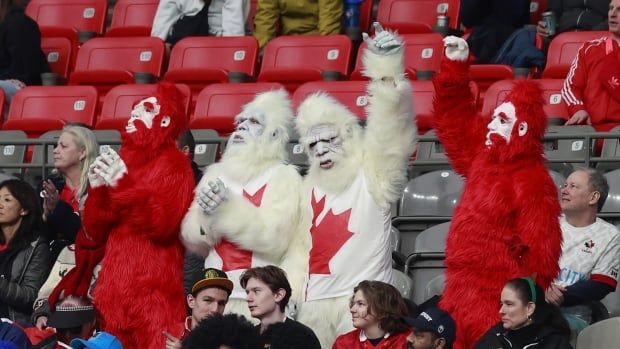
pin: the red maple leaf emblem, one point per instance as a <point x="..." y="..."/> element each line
<point x="327" y="237"/>
<point x="234" y="257"/>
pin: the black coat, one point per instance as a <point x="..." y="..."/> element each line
<point x="21" y="57"/>
<point x="289" y="334"/>
<point x="532" y="337"/>
<point x="580" y="14"/>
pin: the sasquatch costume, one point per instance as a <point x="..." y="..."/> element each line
<point x="355" y="174"/>
<point x="247" y="207"/>
<point x="506" y="224"/>
<point x="133" y="212"/>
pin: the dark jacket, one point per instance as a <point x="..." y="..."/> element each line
<point x="529" y="337"/>
<point x="30" y="269"/>
<point x="21" y="57"/>
<point x="289" y="334"/>
<point x="580" y="14"/>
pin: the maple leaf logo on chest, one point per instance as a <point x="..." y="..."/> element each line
<point x="234" y="257"/>
<point x="327" y="236"/>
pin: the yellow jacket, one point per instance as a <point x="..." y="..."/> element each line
<point x="296" y="17"/>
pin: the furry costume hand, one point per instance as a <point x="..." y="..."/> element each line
<point x="110" y="167"/>
<point x="384" y="43"/>
<point x="456" y="48"/>
<point x="209" y="199"/>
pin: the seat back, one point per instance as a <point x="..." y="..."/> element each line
<point x="83" y="15"/>
<point x="564" y="154"/>
<point x="435" y="286"/>
<point x="37" y="109"/>
<point x="132" y="18"/>
<point x="120" y="100"/>
<point x="218" y="104"/>
<point x="603" y="334"/>
<point x="610" y="150"/>
<point x="208" y="146"/>
<point x="612" y="204"/>
<point x="110" y="138"/>
<point x="2" y="98"/>
<point x="564" y="48"/>
<point x="537" y="7"/>
<point x="432" y="194"/>
<point x="58" y="51"/>
<point x="558" y="180"/>
<point x="35" y="175"/>
<point x="402" y="282"/>
<point x="400" y="14"/>
<point x="612" y="303"/>
<point x="12" y="153"/>
<point x="350" y="93"/>
<point x="431" y="150"/>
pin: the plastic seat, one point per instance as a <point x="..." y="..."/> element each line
<point x="402" y="282"/>
<point x="293" y="60"/>
<point x="559" y="181"/>
<point x="12" y="153"/>
<point x="132" y="18"/>
<point x="612" y="303"/>
<point x="610" y="151"/>
<point x="416" y="16"/>
<point x="563" y="50"/>
<point x="563" y="154"/>
<point x="110" y="138"/>
<point x="119" y="102"/>
<point x="612" y="204"/>
<point x="35" y="175"/>
<point x="82" y="15"/>
<point x="208" y="146"/>
<point x="485" y="75"/>
<point x="37" y="109"/>
<point x="431" y="150"/>
<point x="435" y="286"/>
<point x="350" y="93"/>
<point x="218" y="104"/>
<point x="106" y="62"/>
<point x="58" y="51"/>
<point x="603" y="334"/>
<point x="200" y="61"/>
<point x="422" y="53"/>
<point x="432" y="194"/>
<point x="537" y="7"/>
<point x="2" y="98"/>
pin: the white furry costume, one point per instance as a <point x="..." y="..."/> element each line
<point x="258" y="224"/>
<point x="350" y="202"/>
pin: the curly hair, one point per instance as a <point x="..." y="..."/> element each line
<point x="231" y="330"/>
<point x="385" y="303"/>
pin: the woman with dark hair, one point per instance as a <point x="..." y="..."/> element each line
<point x="24" y="257"/>
<point x="377" y="310"/>
<point x="21" y="59"/>
<point x="527" y="320"/>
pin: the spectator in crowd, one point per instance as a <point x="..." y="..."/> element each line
<point x="208" y="296"/>
<point x="592" y="87"/>
<point x="176" y="19"/>
<point x="527" y="321"/>
<point x="491" y="23"/>
<point x="74" y="317"/>
<point x="24" y="256"/>
<point x="432" y="329"/>
<point x="101" y="340"/>
<point x="377" y="309"/>
<point x="575" y="15"/>
<point x="12" y="336"/>
<point x="219" y="331"/>
<point x="287" y="17"/>
<point x="268" y="292"/>
<point x="21" y="58"/>
<point x="591" y="250"/>
<point x="64" y="192"/>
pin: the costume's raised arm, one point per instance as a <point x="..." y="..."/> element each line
<point x="459" y="127"/>
<point x="390" y="131"/>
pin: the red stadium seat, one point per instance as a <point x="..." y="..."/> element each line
<point x="107" y="62"/>
<point x="1" y="106"/>
<point x="132" y="18"/>
<point x="563" y="49"/>
<point x="423" y="95"/>
<point x="484" y="75"/>
<point x="350" y="93"/>
<point x="416" y="16"/>
<point x="555" y="107"/>
<point x="365" y="15"/>
<point x="537" y="7"/>
<point x="218" y="104"/>
<point x="58" y="52"/>
<point x="293" y="60"/>
<point x="119" y="102"/>
<point x="38" y="109"/>
<point x="82" y="15"/>
<point x="422" y="52"/>
<point x="199" y="61"/>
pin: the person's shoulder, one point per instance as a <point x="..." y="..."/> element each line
<point x="607" y="228"/>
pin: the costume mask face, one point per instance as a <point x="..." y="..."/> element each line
<point x="325" y="144"/>
<point x="145" y="111"/>
<point x="502" y="122"/>
<point x="250" y="125"/>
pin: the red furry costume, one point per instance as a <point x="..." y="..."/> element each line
<point x="137" y="217"/>
<point x="506" y="224"/>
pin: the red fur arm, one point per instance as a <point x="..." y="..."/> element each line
<point x="456" y="122"/>
<point x="156" y="201"/>
<point x="538" y="224"/>
<point x="98" y="216"/>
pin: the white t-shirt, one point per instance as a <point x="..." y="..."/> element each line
<point x="591" y="252"/>
<point x="350" y="241"/>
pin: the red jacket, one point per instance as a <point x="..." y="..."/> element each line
<point x="356" y="340"/>
<point x="583" y="88"/>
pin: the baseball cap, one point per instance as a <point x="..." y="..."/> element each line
<point x="435" y="320"/>
<point x="101" y="340"/>
<point x="71" y="316"/>
<point x="213" y="277"/>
